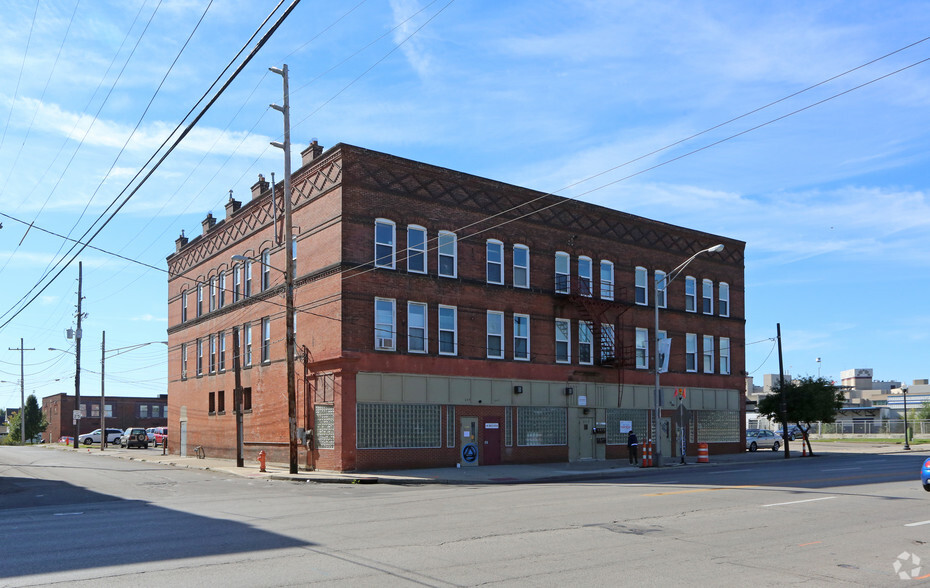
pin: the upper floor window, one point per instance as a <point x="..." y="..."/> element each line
<point x="690" y="294"/>
<point x="384" y="243"/>
<point x="212" y="354"/>
<point x="416" y="327"/>
<point x="448" y="254"/>
<point x="585" y="342"/>
<point x="563" y="340"/>
<point x="723" y="299"/>
<point x="495" y="262"/>
<point x="724" y="355"/>
<point x="266" y="340"/>
<point x="642" y="288"/>
<point x="221" y="340"/>
<point x="184" y="306"/>
<point x="266" y="269"/>
<point x="212" y="293"/>
<point x="521" y="336"/>
<point x="183" y="361"/>
<point x="416" y="249"/>
<point x="661" y="287"/>
<point x="585" y="268"/>
<point x="642" y="349"/>
<point x="562" y="272"/>
<point x="708" y="354"/>
<point x="247" y="352"/>
<point x="237" y="283"/>
<point x="495" y="335"/>
<point x="707" y="297"/>
<point x="448" y="330"/>
<point x="199" y="357"/>
<point x="199" y="299"/>
<point x="521" y="266"/>
<point x="690" y="352"/>
<point x="221" y="295"/>
<point x="247" y="291"/>
<point x="385" y="322"/>
<point x="607" y="280"/>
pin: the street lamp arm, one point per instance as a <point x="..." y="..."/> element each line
<point x="670" y="276"/>
<point x="121" y="350"/>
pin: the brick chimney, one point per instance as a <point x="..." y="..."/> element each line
<point x="310" y="153"/>
<point x="232" y="206"/>
<point x="259" y="187"/>
<point x="180" y="242"/>
<point x="208" y="222"/>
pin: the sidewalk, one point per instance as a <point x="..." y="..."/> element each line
<point x="499" y="474"/>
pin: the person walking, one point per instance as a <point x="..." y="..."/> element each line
<point x="632" y="444"/>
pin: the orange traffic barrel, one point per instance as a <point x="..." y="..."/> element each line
<point x="702" y="453"/>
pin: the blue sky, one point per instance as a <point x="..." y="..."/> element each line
<point x="831" y="201"/>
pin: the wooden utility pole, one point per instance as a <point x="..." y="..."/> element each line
<point x="77" y="362"/>
<point x="22" y="390"/>
<point x="781" y="387"/>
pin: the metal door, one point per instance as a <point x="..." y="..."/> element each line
<point x="586" y="438"/>
<point x="491" y="444"/>
<point x="468" y="441"/>
<point x="665" y="437"/>
<point x="183" y="439"/>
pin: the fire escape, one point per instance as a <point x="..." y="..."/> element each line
<point x="606" y="319"/>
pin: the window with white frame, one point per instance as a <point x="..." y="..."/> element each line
<point x="266" y="269"/>
<point x="585" y="269"/>
<point x="521" y="266"/>
<point x="199" y="357"/>
<point x="607" y="280"/>
<point x="690" y="294"/>
<point x="222" y="292"/>
<point x="247" y="291"/>
<point x="221" y="343"/>
<point x="212" y="354"/>
<point x="416" y="249"/>
<point x="247" y="335"/>
<point x="199" y="299"/>
<point x="495" y="261"/>
<point x="585" y="342"/>
<point x="384" y="243"/>
<point x="642" y="286"/>
<point x="183" y="361"/>
<point x="184" y="306"/>
<point x="417" y="327"/>
<point x="724" y="355"/>
<point x="294" y="255"/>
<point x="708" y="354"/>
<point x="661" y="287"/>
<point x="212" y="294"/>
<point x="266" y="340"/>
<point x="495" y="334"/>
<point x="562" y="272"/>
<point x="448" y="254"/>
<point x="608" y="342"/>
<point x="448" y="330"/>
<point x="563" y="340"/>
<point x="723" y="299"/>
<point x="642" y="349"/>
<point x="707" y="297"/>
<point x="385" y="321"/>
<point x="237" y="283"/>
<point x="521" y="337"/>
<point x="690" y="352"/>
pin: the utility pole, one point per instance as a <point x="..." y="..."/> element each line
<point x="288" y="271"/>
<point x="22" y="390"/>
<point x="103" y="418"/>
<point x="77" y="361"/>
<point x="781" y="388"/>
<point x="237" y="397"/>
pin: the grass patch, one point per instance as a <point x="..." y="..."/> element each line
<point x="871" y="440"/>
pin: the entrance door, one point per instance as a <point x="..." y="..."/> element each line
<point x="665" y="436"/>
<point x="468" y="441"/>
<point x="183" y="439"/>
<point x="585" y="438"/>
<point x="491" y="454"/>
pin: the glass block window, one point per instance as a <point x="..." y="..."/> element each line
<point x="385" y="426"/>
<point x="508" y="426"/>
<point x="450" y="426"/>
<point x="324" y="427"/>
<point x="717" y="426"/>
<point x="541" y="425"/>
<point x="639" y="418"/>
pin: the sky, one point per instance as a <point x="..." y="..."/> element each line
<point x="801" y="128"/>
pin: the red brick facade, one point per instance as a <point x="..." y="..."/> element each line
<point x="337" y="198"/>
<point x="126" y="412"/>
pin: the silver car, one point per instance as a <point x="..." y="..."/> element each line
<point x="762" y="438"/>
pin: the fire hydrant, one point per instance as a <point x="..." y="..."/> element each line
<point x="261" y="460"/>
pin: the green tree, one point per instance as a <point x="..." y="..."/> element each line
<point x="35" y="422"/>
<point x="807" y="400"/>
<point x="922" y="413"/>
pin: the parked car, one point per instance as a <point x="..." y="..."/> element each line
<point x="925" y="475"/>
<point x="794" y="432"/>
<point x="113" y="436"/>
<point x="134" y="437"/>
<point x="157" y="435"/>
<point x="756" y="438"/>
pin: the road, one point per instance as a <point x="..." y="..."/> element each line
<point x="76" y="519"/>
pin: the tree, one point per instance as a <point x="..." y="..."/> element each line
<point x="35" y="422"/>
<point x="807" y="400"/>
<point x="922" y="413"/>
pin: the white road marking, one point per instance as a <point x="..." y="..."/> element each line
<point x="840" y="469"/>
<point x="799" y="501"/>
<point x="917" y="524"/>
<point x="727" y="472"/>
<point x="67" y="514"/>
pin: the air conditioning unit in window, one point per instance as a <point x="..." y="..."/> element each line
<point x="385" y="343"/>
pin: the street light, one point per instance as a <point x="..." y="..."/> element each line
<point x="667" y="279"/>
<point x="906" y="444"/>
<point x="289" y="346"/>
